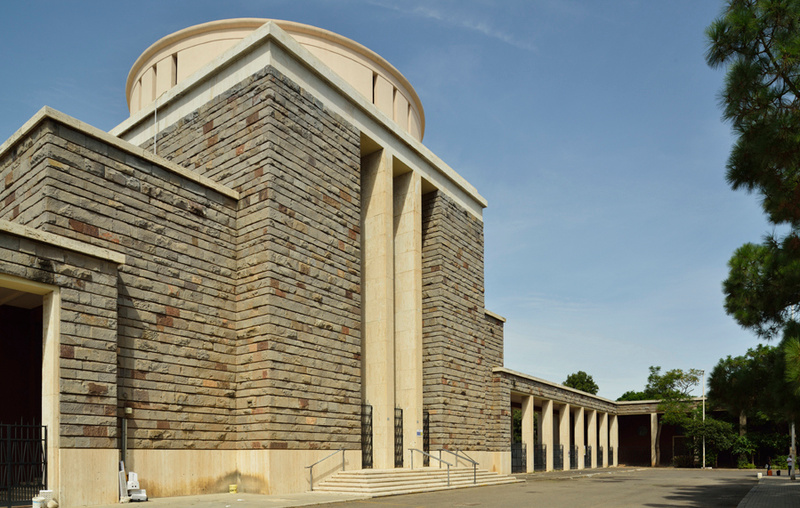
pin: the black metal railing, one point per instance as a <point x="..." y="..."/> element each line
<point x="540" y="457"/>
<point x="610" y="455"/>
<point x="366" y="436"/>
<point x="587" y="457"/>
<point x="558" y="457"/>
<point x="573" y="457"/>
<point x="398" y="437"/>
<point x="426" y="437"/>
<point x="599" y="456"/>
<point x="519" y="459"/>
<point x="23" y="463"/>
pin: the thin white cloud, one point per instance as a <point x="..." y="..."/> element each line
<point x="462" y="20"/>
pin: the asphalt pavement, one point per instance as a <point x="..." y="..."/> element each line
<point x="617" y="487"/>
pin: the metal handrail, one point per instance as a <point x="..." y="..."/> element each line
<point x="412" y="450"/>
<point x="311" y="467"/>
<point x="458" y="455"/>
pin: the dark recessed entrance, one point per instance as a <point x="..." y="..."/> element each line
<point x="21" y="360"/>
<point x="23" y="445"/>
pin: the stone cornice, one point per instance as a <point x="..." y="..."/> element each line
<point x="61" y="242"/>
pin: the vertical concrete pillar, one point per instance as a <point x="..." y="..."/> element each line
<point x="547" y="433"/>
<point x="408" y="307"/>
<point x="51" y="385"/>
<point x="580" y="441"/>
<point x="614" y="438"/>
<point x="653" y="433"/>
<point x="377" y="350"/>
<point x="563" y="433"/>
<point x="591" y="434"/>
<point x="604" y="439"/>
<point x="528" y="412"/>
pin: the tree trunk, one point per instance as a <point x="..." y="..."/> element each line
<point x="742" y="423"/>
<point x="658" y="443"/>
<point x="743" y="432"/>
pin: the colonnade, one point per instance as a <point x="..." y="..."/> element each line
<point x="580" y="430"/>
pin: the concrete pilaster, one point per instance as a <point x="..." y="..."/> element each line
<point x="563" y="433"/>
<point x="377" y="360"/>
<point x="51" y="378"/>
<point x="547" y="432"/>
<point x="604" y="438"/>
<point x="653" y="433"/>
<point x="591" y="431"/>
<point x="528" y="412"/>
<point x="580" y="440"/>
<point x="614" y="438"/>
<point x="408" y="307"/>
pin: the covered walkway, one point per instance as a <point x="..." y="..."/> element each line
<point x="566" y="429"/>
<point x="562" y="428"/>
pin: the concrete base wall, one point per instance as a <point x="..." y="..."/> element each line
<point x="165" y="473"/>
<point x="87" y="477"/>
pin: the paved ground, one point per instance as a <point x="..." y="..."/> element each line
<point x="617" y="487"/>
<point x="607" y="488"/>
<point x="773" y="492"/>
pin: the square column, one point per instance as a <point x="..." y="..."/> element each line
<point x="614" y="438"/>
<point x="563" y="433"/>
<point x="51" y="386"/>
<point x="377" y="307"/>
<point x="547" y="433"/>
<point x="604" y="439"/>
<point x="408" y="307"/>
<point x="591" y="431"/>
<point x="580" y="441"/>
<point x="653" y="433"/>
<point x="528" y="412"/>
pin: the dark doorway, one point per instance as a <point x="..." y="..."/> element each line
<point x="21" y="362"/>
<point x="634" y="440"/>
<point x="23" y="441"/>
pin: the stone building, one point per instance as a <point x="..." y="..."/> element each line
<point x="261" y="265"/>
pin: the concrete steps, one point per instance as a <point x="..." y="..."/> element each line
<point x="390" y="482"/>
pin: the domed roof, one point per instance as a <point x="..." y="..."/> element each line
<point x="177" y="56"/>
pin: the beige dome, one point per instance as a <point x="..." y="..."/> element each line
<point x="177" y="56"/>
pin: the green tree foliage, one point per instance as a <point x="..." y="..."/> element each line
<point x="673" y="391"/>
<point x="791" y="349"/>
<point x="744" y="448"/>
<point x="675" y="384"/>
<point x="743" y="385"/>
<point x="758" y="41"/>
<point x="582" y="381"/>
<point x="633" y="395"/>
<point x="754" y="388"/>
<point x="719" y="435"/>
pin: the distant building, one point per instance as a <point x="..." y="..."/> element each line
<point x="261" y="265"/>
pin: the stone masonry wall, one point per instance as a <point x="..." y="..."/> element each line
<point x="456" y="360"/>
<point x="88" y="363"/>
<point x="498" y="407"/>
<point x="175" y="332"/>
<point x="297" y="167"/>
<point x="499" y="419"/>
<point x="561" y="395"/>
<point x="21" y="197"/>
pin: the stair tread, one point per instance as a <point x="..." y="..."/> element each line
<point x="385" y="482"/>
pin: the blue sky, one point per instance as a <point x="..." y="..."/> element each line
<point x="591" y="127"/>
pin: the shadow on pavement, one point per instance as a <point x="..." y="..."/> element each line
<point x="726" y="493"/>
